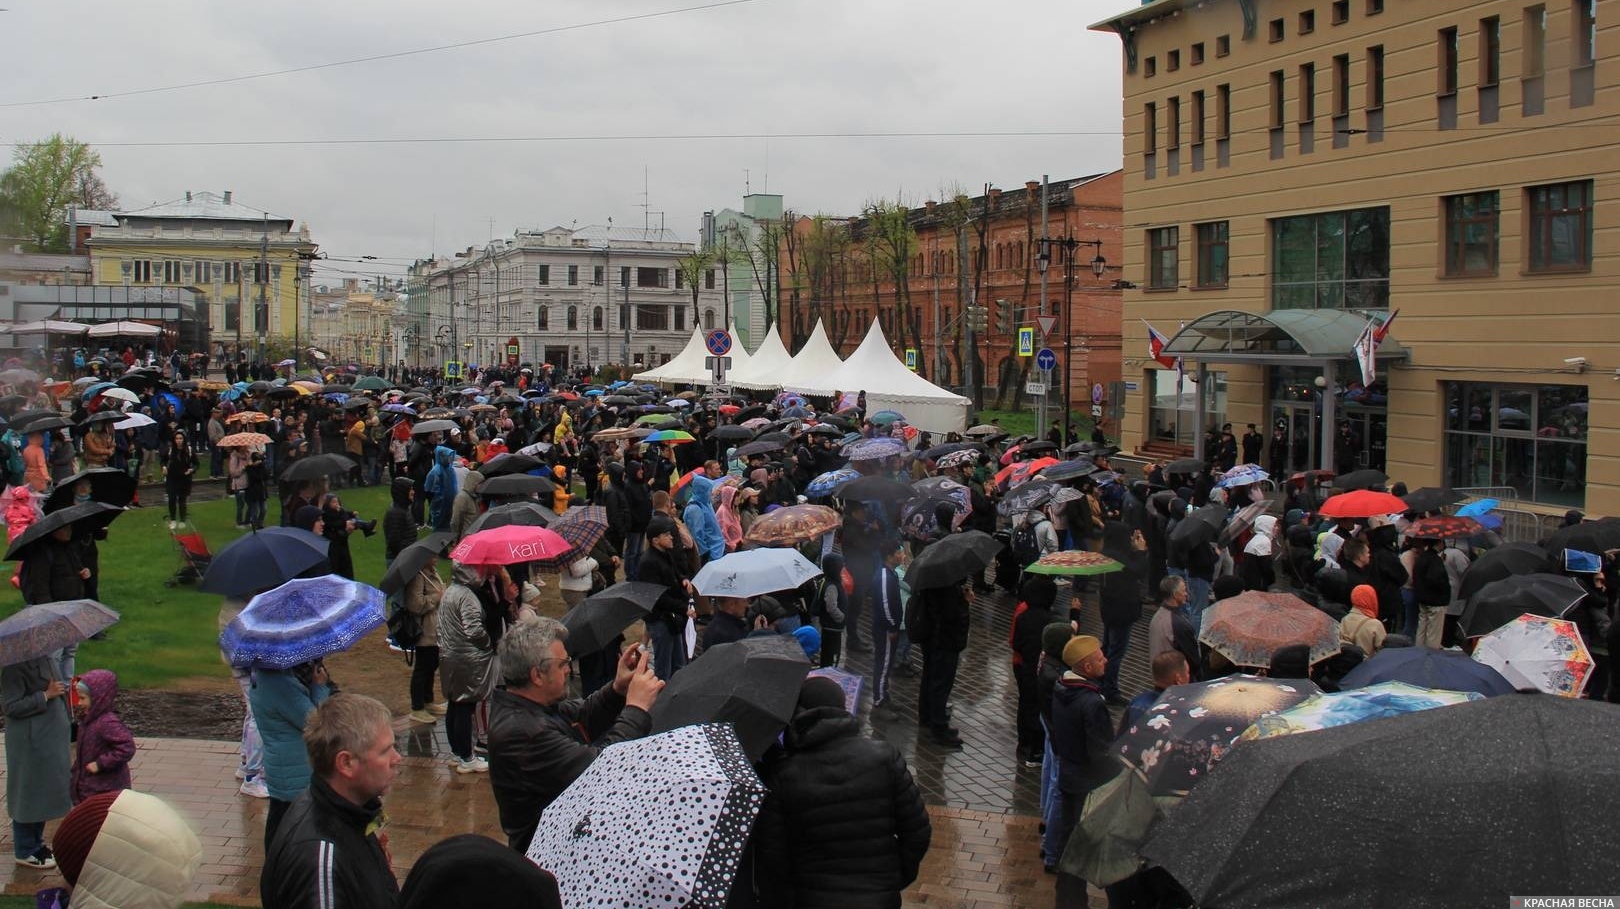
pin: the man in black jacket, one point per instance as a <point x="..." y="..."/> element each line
<point x="1121" y="601"/>
<point x="1081" y="729"/>
<point x="946" y="636"/>
<point x="639" y="496"/>
<point x="325" y="851"/>
<point x="615" y="500"/>
<point x="842" y="824"/>
<point x="667" y="623"/>
<point x="539" y="742"/>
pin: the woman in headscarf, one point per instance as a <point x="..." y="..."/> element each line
<point x="1361" y="626"/>
<point x="730" y="521"/>
<point x="1257" y="570"/>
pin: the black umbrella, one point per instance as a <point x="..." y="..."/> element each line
<point x="1500" y="602"/>
<point x="618" y="399"/>
<point x="262" y="560"/>
<point x="1022" y="498"/>
<point x="1451" y="670"/>
<point x="23" y="418"/>
<point x="107" y="484"/>
<point x="1546" y="762"/>
<point x="781" y="438"/>
<point x="284" y="391"/>
<point x="875" y="489"/>
<point x="408" y="564"/>
<point x="752" y="683"/>
<point x="940" y="451"/>
<point x="1184" y="465"/>
<point x="1504" y="561"/>
<point x="187" y="385"/>
<point x="1588" y="536"/>
<point x="756" y="447"/>
<point x="317" y="466"/>
<point x="952" y="560"/>
<point x="843" y="423"/>
<point x="524" y="514"/>
<point x="1069" y="470"/>
<point x="105" y="416"/>
<point x="1432" y="498"/>
<point x="731" y="433"/>
<point x="822" y="429"/>
<point x="1362" y="479"/>
<point x="748" y="413"/>
<point x="502" y="465"/>
<point x="357" y="404"/>
<point x="603" y="616"/>
<point x="87" y="516"/>
<point x="1202" y="526"/>
<point x="516" y="484"/>
<point x="1041" y="447"/>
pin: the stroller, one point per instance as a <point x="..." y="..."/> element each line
<point x="194" y="555"/>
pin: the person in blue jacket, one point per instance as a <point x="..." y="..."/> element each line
<point x="441" y="487"/>
<point x="701" y="520"/>
<point x="281" y="700"/>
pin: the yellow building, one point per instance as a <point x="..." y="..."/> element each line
<point x="1299" y="169"/>
<point x="246" y="262"/>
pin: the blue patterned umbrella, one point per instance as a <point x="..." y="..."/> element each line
<point x="301" y="620"/>
<point x="828" y="483"/>
<point x="48" y="627"/>
<point x="885" y="417"/>
<point x="1242" y="475"/>
<point x="873" y="449"/>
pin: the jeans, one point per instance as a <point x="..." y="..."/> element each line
<point x="1197" y="595"/>
<point x="255" y="513"/>
<point x="241" y="506"/>
<point x="1116" y="639"/>
<point x="65" y="662"/>
<point x="669" y="649"/>
<point x="216" y="462"/>
<point x="252" y="745"/>
<point x="1051" y="804"/>
<point x="1409" y="612"/>
<point x="633" y="547"/>
<point x="458" y="728"/>
<point x="938" y="677"/>
<point x="422" y="671"/>
<point x="27" y="839"/>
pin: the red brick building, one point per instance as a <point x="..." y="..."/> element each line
<point x="846" y="272"/>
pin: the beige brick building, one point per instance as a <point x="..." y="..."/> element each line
<point x="1295" y="168"/>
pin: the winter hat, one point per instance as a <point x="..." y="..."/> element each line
<point x="305" y="517"/>
<point x="77" y="833"/>
<point x="148" y="860"/>
<point x="1038" y="591"/>
<point x="820" y="692"/>
<point x="1053" y="637"/>
<point x="659" y="525"/>
<point x="1079" y="647"/>
<point x="809" y="638"/>
<point x="471" y="870"/>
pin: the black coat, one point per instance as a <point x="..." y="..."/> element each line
<point x="1121" y="597"/>
<point x="322" y="851"/>
<point x="948" y="617"/>
<point x="659" y="567"/>
<point x="535" y="752"/>
<point x="843" y="825"/>
<point x="1081" y="731"/>
<point x="51" y="572"/>
<point x="399" y="531"/>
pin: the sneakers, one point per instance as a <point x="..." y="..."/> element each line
<point x="439" y="709"/>
<point x="254" y="788"/>
<point x="1031" y="764"/>
<point x="43" y="859"/>
<point x="423" y="717"/>
<point x="241" y="774"/>
<point x="476" y="765"/>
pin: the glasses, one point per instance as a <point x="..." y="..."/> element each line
<point x="567" y="665"/>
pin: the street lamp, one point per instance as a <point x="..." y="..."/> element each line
<point x="1099" y="267"/>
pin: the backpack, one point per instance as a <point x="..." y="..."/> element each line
<point x="1026" y="543"/>
<point x="15" y="470"/>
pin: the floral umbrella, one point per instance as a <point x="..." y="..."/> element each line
<point x="1026" y="497"/>
<point x="965" y="458"/>
<point x="1248" y="628"/>
<point x="827" y="483"/>
<point x="792" y="525"/>
<point x="1534" y="651"/>
<point x="917" y="518"/>
<point x="1243" y="475"/>
<point x="1340" y="708"/>
<point x="1074" y="562"/>
<point x="873" y="449"/>
<point x="1443" y="528"/>
<point x="1177" y="740"/>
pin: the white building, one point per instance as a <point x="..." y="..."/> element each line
<point x="745" y="245"/>
<point x="591" y="296"/>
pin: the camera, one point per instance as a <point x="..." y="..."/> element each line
<point x="366" y="527"/>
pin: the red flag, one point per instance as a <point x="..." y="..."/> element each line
<point x="1156" y="343"/>
<point x="1382" y="330"/>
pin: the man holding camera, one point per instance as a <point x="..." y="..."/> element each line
<point x="337" y="523"/>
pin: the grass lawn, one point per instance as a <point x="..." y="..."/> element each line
<point x="1022" y="422"/>
<point x="169" y="634"/>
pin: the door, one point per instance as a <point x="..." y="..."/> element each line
<point x="1297" y="423"/>
<point x="558" y="358"/>
<point x="1367" y="433"/>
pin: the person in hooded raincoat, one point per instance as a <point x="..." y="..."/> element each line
<point x="106" y="746"/>
<point x="701" y="520"/>
<point x="441" y="487"/>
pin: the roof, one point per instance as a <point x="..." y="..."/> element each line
<point x="626" y="234"/>
<point x="693" y="352"/>
<point x="90" y="217"/>
<point x="765" y="366"/>
<point x="204" y="206"/>
<point x="873" y="368"/>
<point x="1234" y="336"/>
<point x="1004" y="202"/>
<point x="1142" y="15"/>
<point x="813" y="361"/>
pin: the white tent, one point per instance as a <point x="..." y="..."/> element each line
<point x="47" y="327"/>
<point x="889" y="385"/>
<point x="813" y="361"/>
<point x="764" y="369"/>
<point x="124" y="330"/>
<point x="693" y="349"/>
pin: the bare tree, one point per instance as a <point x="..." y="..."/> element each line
<point x="692" y="269"/>
<point x="891" y="242"/>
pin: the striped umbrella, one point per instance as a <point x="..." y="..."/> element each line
<point x="301" y="620"/>
<point x="582" y="528"/>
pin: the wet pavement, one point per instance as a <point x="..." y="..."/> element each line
<point x="982" y="802"/>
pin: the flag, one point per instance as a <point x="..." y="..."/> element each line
<point x="1382" y="330"/>
<point x="1366" y="347"/>
<point x="1156" y="343"/>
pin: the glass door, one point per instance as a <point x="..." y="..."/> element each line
<point x="1292" y="443"/>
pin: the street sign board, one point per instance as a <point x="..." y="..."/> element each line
<point x="1045" y="358"/>
<point x="1035" y="388"/>
<point x="1047" y="323"/>
<point x="513" y="351"/>
<point x="1097" y="393"/>
<point x="1096" y="410"/>
<point x="911" y="358"/>
<point x="1026" y="341"/>
<point x="718" y="366"/>
<point x="452" y="369"/>
<point x="718" y="342"/>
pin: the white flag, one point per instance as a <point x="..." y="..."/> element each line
<point x="1366" y="353"/>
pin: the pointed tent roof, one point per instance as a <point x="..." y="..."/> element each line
<point x="739" y="359"/>
<point x="765" y="368"/>
<point x="693" y="350"/>
<point x="813" y="361"/>
<point x="889" y="385"/>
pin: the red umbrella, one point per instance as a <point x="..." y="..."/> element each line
<point x="1362" y="503"/>
<point x="1011" y="452"/>
<point x="509" y="545"/>
<point x="1027" y="469"/>
<point x="1443" y="528"/>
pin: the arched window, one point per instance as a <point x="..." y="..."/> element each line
<point x="596" y="319"/>
<point x="708" y="320"/>
<point x="573" y="318"/>
<point x="545" y="318"/>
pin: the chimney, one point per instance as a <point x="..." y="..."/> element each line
<point x="929" y="205"/>
<point x="188" y="195"/>
<point x="995" y="195"/>
<point x="1031" y="186"/>
<point x="227" y="197"/>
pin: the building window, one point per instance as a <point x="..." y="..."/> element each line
<point x="1172" y="61"/>
<point x="1560" y="226"/>
<point x="543" y="321"/>
<point x="680" y="278"/>
<point x="1307" y="21"/>
<point x="1173" y="127"/>
<point x="652" y="277"/>
<point x="708" y="320"/>
<point x="261" y="273"/>
<point x="624" y="276"/>
<point x="708" y="280"/>
<point x="233" y="272"/>
<point x="572" y="322"/>
<point x="1198" y="53"/>
<point x="1174" y="398"/>
<point x="651" y="317"/>
<point x="1278" y="96"/>
<point x="1341" y="12"/>
<point x="1374" y="7"/>
<point x="596" y="318"/>
<point x="1212" y="254"/>
<point x="1277" y="30"/>
<point x="1448" y="61"/>
<point x="1307" y="93"/>
<point x="1471" y="234"/>
<point x="1223" y="45"/>
<point x="233" y="315"/>
<point x="1162" y="257"/>
<point x="1585" y="36"/>
<point x="680" y="318"/>
<point x="1341" y="85"/>
<point x="1333" y="260"/>
<point x="1150" y="67"/>
<point x="596" y="274"/>
<point x="1198" y="118"/>
<point x="143" y="271"/>
<point x="204" y="272"/>
<point x="171" y="271"/>
<point x="545" y="275"/>
<point x="1150" y="128"/>
<point x="1535" y="41"/>
<point x="1375" y="77"/>
<point x="1529" y="437"/>
<point x="1223" y="111"/>
<point x="1490" y="52"/>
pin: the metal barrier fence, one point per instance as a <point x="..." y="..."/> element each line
<point x="1519" y="525"/>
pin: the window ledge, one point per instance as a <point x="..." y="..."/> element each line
<point x="1467" y="275"/>
<point x="1210" y="287"/>
<point x="1160" y="290"/>
<point x="1556" y="270"/>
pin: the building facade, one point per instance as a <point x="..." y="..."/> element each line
<point x="1298" y="170"/>
<point x="354" y="322"/>
<point x="571" y="298"/>
<point x="246" y="264"/>
<point x="845" y="272"/>
<point x="745" y="246"/>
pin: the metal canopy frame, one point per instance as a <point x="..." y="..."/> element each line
<point x="1280" y="337"/>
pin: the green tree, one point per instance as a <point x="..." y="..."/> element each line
<point x="693" y="268"/>
<point x="44" y="179"/>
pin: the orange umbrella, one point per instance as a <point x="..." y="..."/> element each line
<point x="243" y="440"/>
<point x="1013" y="474"/>
<point x="247" y="416"/>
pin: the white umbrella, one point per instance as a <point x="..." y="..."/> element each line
<point x="134" y="421"/>
<point x="122" y="394"/>
<point x="596" y="839"/>
<point x="754" y="572"/>
<point x="1535" y="651"/>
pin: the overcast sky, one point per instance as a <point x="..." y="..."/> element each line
<point x="752" y="68"/>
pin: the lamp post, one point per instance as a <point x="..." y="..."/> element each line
<point x="1099" y="266"/>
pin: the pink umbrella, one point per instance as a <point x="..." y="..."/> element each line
<point x="508" y="545"/>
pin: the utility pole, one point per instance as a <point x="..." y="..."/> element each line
<point x="1040" y="420"/>
<point x="261" y="316"/>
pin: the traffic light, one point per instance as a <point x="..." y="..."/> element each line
<point x="1004" y="317"/>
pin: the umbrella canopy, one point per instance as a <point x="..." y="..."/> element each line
<point x="1431" y="498"/>
<point x="134" y="421"/>
<point x="316" y="467"/>
<point x="427" y="426"/>
<point x="372" y="383"/>
<point x="964" y="458"/>
<point x="45" y="628"/>
<point x="1175" y="742"/>
<point x="1068" y="470"/>
<point x="1242" y="475"/>
<point x="1185" y="465"/>
<point x="1074" y="562"/>
<point x="1238" y="840"/>
<point x="516" y="484"/>
<point x="885" y="417"/>
<point x="825" y="484"/>
<point x="1248" y="628"/>
<point x="603" y="616"/>
<point x="262" y="560"/>
<point x="301" y="620"/>
<point x="1362" y="503"/>
<point x="1421" y="667"/>
<point x="1587" y="536"/>
<point x="581" y="528"/>
<point x="248" y="416"/>
<point x="874" y="449"/>
<point x="730" y="433"/>
<point x="1025" y="498"/>
<point x="1477" y="507"/>
<point x="1361" y="479"/>
<point x="1502" y="562"/>
<point x="1241" y="520"/>
<point x="595" y="840"/>
<point x="105" y="416"/>
<point x="752" y="683"/>
<point x="984" y="431"/>
<point x="1339" y="708"/>
<point x="1443" y="528"/>
<point x="408" y="564"/>
<point x="243" y="440"/>
<point x="1500" y="602"/>
<point x="1202" y="526"/>
<point x="754" y="572"/>
<point x="527" y="514"/>
<point x="1536" y="652"/>
<point x="108" y="485"/>
<point x="952" y="560"/>
<point x="1024" y="471"/>
<point x="671" y="436"/>
<point x="754" y="448"/>
<point x="83" y="517"/>
<point x="509" y="545"/>
<point x="792" y="525"/>
<point x="875" y="489"/>
<point x="502" y="465"/>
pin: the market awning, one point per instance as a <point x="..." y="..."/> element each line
<point x="47" y="327"/>
<point x="1278" y="337"/>
<point x="124" y="329"/>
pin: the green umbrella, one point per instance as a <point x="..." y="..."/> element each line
<point x="1113" y="826"/>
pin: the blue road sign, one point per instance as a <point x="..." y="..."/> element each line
<point x="1045" y="358"/>
<point x="718" y="342"/>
